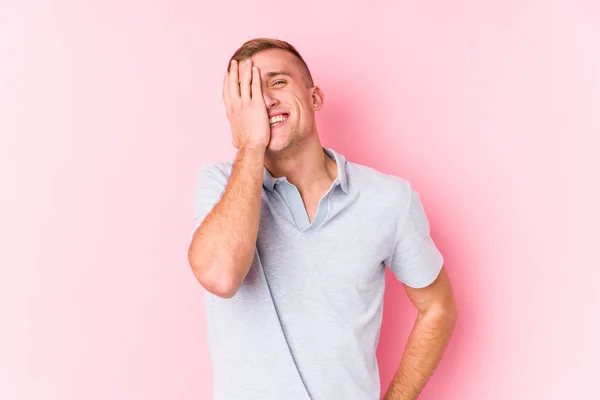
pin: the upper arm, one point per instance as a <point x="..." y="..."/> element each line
<point x="208" y="190"/>
<point x="436" y="295"/>
<point x="415" y="259"/>
<point x="209" y="187"/>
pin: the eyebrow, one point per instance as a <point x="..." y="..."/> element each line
<point x="276" y="73"/>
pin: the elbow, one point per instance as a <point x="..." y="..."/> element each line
<point x="214" y="278"/>
<point x="449" y="315"/>
<point x="223" y="288"/>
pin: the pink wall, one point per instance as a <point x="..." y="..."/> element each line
<point x="108" y="108"/>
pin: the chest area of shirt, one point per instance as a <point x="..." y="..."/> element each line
<point x="340" y="252"/>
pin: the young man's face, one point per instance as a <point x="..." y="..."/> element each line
<point x="286" y="92"/>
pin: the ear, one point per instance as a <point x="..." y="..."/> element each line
<point x="318" y="98"/>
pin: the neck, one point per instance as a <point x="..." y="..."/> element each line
<point x="307" y="167"/>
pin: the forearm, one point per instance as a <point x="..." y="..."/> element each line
<point x="423" y="351"/>
<point x="225" y="242"/>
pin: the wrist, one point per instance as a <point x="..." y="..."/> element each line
<point x="252" y="153"/>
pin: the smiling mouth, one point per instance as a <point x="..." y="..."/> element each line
<point x="278" y="120"/>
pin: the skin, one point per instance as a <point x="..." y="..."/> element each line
<point x="223" y="246"/>
<point x="294" y="149"/>
<point x="428" y="339"/>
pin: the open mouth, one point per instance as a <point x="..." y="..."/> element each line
<point x="278" y="120"/>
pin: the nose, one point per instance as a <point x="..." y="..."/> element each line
<point x="270" y="101"/>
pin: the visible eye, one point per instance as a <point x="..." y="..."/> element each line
<point x="278" y="82"/>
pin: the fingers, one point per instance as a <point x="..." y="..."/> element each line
<point x="245" y="81"/>
<point x="256" y="85"/>
<point x="234" y="87"/>
<point x="225" y="93"/>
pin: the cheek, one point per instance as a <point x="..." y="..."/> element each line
<point x="304" y="107"/>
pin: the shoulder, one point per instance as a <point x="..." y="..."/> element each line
<point x="381" y="197"/>
<point x="370" y="180"/>
<point x="220" y="170"/>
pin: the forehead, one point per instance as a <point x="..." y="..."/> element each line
<point x="276" y="60"/>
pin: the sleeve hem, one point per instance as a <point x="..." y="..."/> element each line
<point x="422" y="283"/>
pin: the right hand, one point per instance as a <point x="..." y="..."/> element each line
<point x="245" y="106"/>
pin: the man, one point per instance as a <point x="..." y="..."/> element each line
<point x="291" y="241"/>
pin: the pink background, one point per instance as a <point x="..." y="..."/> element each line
<point x="108" y="109"/>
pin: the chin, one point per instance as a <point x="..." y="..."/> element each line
<point x="275" y="147"/>
<point x="283" y="140"/>
<point x="278" y="145"/>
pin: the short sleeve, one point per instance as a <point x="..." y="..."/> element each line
<point x="415" y="260"/>
<point x="209" y="187"/>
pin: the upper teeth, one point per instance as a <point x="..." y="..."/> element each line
<point x="277" y="118"/>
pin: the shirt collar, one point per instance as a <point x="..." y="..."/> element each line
<point x="342" y="179"/>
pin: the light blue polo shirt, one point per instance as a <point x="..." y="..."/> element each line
<point x="305" y="323"/>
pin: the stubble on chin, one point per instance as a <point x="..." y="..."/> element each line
<point x="282" y="142"/>
<point x="279" y="143"/>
